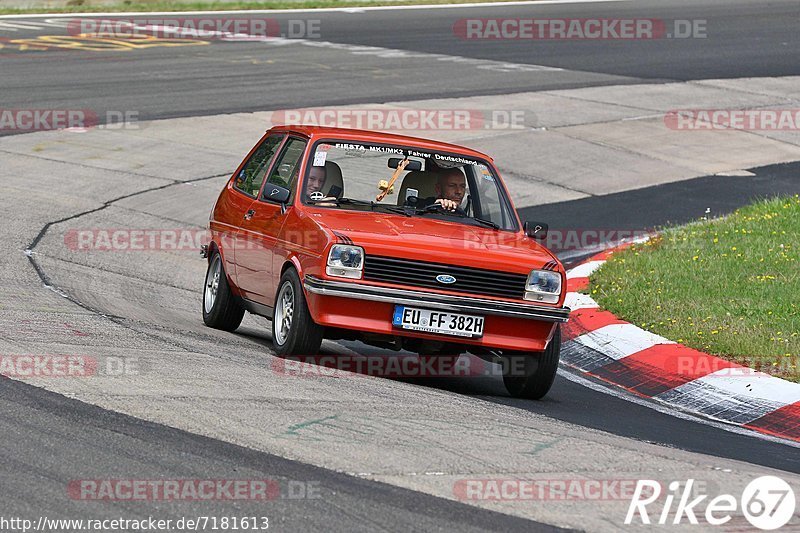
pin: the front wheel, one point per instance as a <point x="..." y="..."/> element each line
<point x="220" y="309"/>
<point x="294" y="332"/>
<point x="530" y="376"/>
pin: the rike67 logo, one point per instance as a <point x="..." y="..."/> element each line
<point x="767" y="502"/>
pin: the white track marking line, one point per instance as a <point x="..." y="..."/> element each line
<point x="330" y="9"/>
<point x="392" y="53"/>
<point x="377" y="51"/>
<point x="33" y="26"/>
<point x="620" y="340"/>
<point x="576" y="300"/>
<point x="669" y="409"/>
<point x="22" y="25"/>
<point x="584" y="270"/>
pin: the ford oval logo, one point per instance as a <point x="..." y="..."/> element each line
<point x="445" y="278"/>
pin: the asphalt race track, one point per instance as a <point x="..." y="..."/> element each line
<point x="359" y="454"/>
<point x="354" y="504"/>
<point x="191" y="81"/>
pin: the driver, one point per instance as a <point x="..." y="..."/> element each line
<point x="316" y="180"/>
<point x="314" y="183"/>
<point x="451" y="187"/>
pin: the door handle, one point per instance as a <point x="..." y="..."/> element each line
<point x="249" y="214"/>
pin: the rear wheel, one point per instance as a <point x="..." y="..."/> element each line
<point x="294" y="332"/>
<point x="220" y="309"/>
<point x="530" y="376"/>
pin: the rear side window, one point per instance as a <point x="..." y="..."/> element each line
<point x="252" y="175"/>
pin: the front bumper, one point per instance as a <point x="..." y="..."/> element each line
<point x="460" y="304"/>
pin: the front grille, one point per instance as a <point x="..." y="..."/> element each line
<point x="422" y="274"/>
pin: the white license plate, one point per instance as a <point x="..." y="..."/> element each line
<point x="440" y="322"/>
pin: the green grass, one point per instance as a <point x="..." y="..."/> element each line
<point x="167" y="5"/>
<point x="729" y="286"/>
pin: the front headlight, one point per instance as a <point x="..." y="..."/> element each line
<point x="345" y="261"/>
<point x="543" y="286"/>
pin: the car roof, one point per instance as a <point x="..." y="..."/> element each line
<point x="378" y="137"/>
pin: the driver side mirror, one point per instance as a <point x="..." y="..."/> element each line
<point x="276" y="193"/>
<point x="536" y="230"/>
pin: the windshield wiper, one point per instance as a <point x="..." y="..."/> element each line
<point x="485" y="222"/>
<point x="350" y="201"/>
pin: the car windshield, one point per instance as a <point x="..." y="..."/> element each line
<point x="406" y="181"/>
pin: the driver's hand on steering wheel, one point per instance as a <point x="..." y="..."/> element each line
<point x="450" y="205"/>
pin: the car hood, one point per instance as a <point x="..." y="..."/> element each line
<point x="430" y="239"/>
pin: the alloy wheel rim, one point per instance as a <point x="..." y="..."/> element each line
<point x="212" y="284"/>
<point x="284" y="313"/>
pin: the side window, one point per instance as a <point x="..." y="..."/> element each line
<point x="285" y="172"/>
<point x="488" y="203"/>
<point x="252" y="175"/>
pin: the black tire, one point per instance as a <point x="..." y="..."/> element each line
<point x="222" y="311"/>
<point x="303" y="336"/>
<point x="530" y="376"/>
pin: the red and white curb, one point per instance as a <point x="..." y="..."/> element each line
<point x="608" y="348"/>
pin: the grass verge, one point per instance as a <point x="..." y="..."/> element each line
<point x="729" y="287"/>
<point x="167" y="5"/>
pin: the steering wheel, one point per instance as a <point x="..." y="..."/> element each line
<point x="437" y="208"/>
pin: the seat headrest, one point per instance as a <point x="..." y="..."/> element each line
<point x="424" y="182"/>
